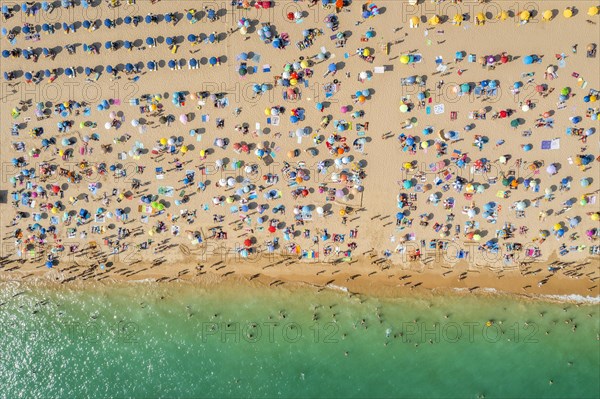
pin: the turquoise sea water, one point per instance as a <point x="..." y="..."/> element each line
<point x="225" y="342"/>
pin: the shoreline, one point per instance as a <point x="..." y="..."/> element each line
<point x="380" y="284"/>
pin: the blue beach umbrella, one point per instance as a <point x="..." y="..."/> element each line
<point x="88" y="71"/>
<point x="172" y="64"/>
<point x="108" y="45"/>
<point x="332" y="67"/>
<point x="127" y="20"/>
<point x="127" y="44"/>
<point x="192" y="38"/>
<point x="148" y="19"/>
<point x="213" y="61"/>
<point x="128" y="67"/>
<point x="5" y="53"/>
<point x="149" y="41"/>
<point x="528" y="60"/>
<point x="68" y="72"/>
<point x="107" y="22"/>
<point x="193" y="62"/>
<point x="109" y="69"/>
<point x="169" y="41"/>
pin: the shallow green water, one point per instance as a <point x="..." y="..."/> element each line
<point x="127" y="341"/>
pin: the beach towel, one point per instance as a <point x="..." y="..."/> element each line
<point x="266" y="68"/>
<point x="438" y="109"/>
<point x="205" y="118"/>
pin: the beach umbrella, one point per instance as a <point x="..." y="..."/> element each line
<point x="527" y="60"/>
<point x="69" y="72"/>
<point x="171" y="64"/>
<point x="109" y="69"/>
<point x="434" y="20"/>
<point x="128" y="67"/>
<point x="213" y="61"/>
<point x="403" y="108"/>
<point x="551" y="169"/>
<point x="332" y="67"/>
<point x="319" y="106"/>
<point x="547" y="15"/>
<point x="407" y="184"/>
<point x="127" y="20"/>
<point x="149" y="41"/>
<point x="414" y="21"/>
<point x="567" y="13"/>
<point x="584" y="182"/>
<point x="595" y="216"/>
<point x="5" y="53"/>
<point x="524" y="15"/>
<point x="465" y="87"/>
<point x="458" y="18"/>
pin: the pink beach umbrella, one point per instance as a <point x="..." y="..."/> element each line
<point x="183" y="118"/>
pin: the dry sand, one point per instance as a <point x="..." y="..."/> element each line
<point x="373" y="213"/>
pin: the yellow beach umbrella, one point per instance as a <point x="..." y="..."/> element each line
<point x="184" y="149"/>
<point x="414" y="21"/>
<point x="502" y="16"/>
<point x="163" y="141"/>
<point x="547" y="15"/>
<point x="595" y="216"/>
<point x="525" y="15"/>
<point x="366" y="52"/>
<point x="593" y="11"/>
<point x="404" y="59"/>
<point x="407" y="165"/>
<point x="481" y="17"/>
<point x="458" y="18"/>
<point x="476" y="237"/>
<point x="267" y="111"/>
<point x="567" y="13"/>
<point x="434" y="20"/>
<point x="304" y="64"/>
<point x="557" y="226"/>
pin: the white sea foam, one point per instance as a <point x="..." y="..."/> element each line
<point x="574" y="298"/>
<point x="337" y="287"/>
